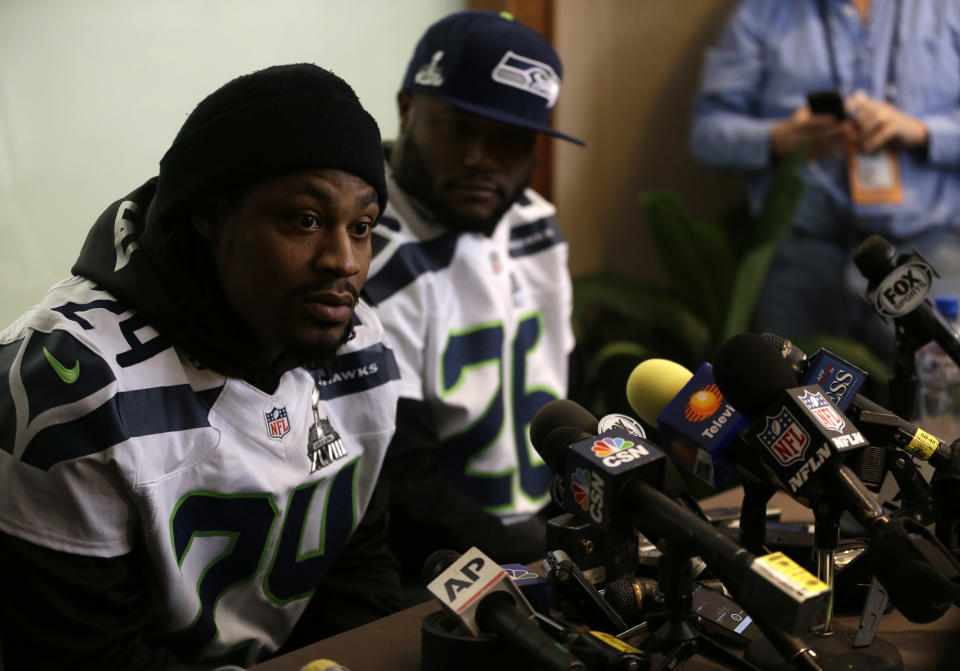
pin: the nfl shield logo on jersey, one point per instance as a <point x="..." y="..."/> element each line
<point x="277" y="423"/>
<point x="783" y="436"/>
<point x="823" y="411"/>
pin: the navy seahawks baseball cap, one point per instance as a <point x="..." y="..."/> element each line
<point x="490" y="65"/>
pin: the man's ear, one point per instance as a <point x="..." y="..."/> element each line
<point x="207" y="218"/>
<point x="404" y="105"/>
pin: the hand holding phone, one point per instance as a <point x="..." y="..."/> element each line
<point x="827" y="101"/>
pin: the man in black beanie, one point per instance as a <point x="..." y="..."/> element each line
<point x="195" y="422"/>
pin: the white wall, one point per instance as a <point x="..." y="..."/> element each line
<point x="92" y="92"/>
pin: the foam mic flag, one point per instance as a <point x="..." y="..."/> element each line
<point x="840" y="379"/>
<point x="697" y="426"/>
<point x="897" y="288"/>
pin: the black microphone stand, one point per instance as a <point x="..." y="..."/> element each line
<point x="831" y="646"/>
<point x="903" y="389"/>
<point x="903" y="380"/>
<point x="753" y="515"/>
<point x="678" y="637"/>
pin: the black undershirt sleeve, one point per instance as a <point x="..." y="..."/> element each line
<point x="428" y="513"/>
<point x="60" y="611"/>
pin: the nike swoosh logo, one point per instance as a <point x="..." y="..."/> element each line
<point x="68" y="375"/>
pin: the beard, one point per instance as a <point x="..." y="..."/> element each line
<point x="412" y="174"/>
<point x="319" y="353"/>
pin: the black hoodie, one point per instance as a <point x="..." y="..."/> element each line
<point x="173" y="283"/>
<point x="66" y="610"/>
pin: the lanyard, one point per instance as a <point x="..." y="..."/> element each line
<point x="889" y="88"/>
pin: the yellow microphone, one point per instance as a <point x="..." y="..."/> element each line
<point x="652" y="385"/>
<point x="323" y="665"/>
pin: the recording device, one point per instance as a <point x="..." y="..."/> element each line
<point x="613" y="479"/>
<point x="716" y="613"/>
<point x="721" y="615"/>
<point x="484" y="600"/>
<point x="799" y="441"/>
<point x="827" y="101"/>
<point x="696" y="424"/>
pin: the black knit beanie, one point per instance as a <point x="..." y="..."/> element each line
<point x="267" y="123"/>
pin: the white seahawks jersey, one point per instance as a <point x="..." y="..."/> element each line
<point x="481" y="329"/>
<point x="110" y="439"/>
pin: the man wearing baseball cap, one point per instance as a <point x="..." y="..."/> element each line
<point x="471" y="282"/>
<point x="193" y="425"/>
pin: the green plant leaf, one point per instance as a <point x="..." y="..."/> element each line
<point x="774" y="222"/>
<point x="746" y="288"/>
<point x="696" y="255"/>
<point x="627" y="306"/>
<point x="776" y="214"/>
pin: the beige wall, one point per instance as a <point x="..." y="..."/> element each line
<point x="630" y="70"/>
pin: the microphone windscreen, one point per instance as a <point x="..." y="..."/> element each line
<point x="438" y="562"/>
<point x="652" y="385"/>
<point x="750" y="373"/>
<point x="875" y="258"/>
<point x="554" y="446"/>
<point x="792" y="354"/>
<point x="560" y="412"/>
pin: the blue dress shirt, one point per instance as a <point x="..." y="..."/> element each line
<point x="773" y="52"/>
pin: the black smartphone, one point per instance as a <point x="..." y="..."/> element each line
<point x="828" y="101"/>
<point x="721" y="615"/>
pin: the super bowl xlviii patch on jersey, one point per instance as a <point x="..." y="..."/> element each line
<point x="277" y="423"/>
<point x="527" y="75"/>
<point x="324" y="445"/>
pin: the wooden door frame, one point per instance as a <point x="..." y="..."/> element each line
<point x="537" y="14"/>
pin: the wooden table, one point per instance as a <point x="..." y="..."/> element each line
<point x="393" y="643"/>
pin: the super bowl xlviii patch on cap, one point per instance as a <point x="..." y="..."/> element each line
<point x="528" y="75"/>
<point x="430" y="74"/>
<point x="490" y="65"/>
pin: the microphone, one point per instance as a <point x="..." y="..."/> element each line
<point x="633" y="599"/>
<point x="323" y="665"/>
<point x="482" y="597"/>
<point x="877" y="423"/>
<point x="614" y="479"/>
<point x="840" y="379"/>
<point x="566" y="576"/>
<point x="697" y="426"/>
<point x="799" y="441"/>
<point x="897" y="288"/>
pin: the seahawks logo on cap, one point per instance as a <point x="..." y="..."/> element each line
<point x="527" y="75"/>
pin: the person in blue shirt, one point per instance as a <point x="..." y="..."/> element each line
<point x="896" y="65"/>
